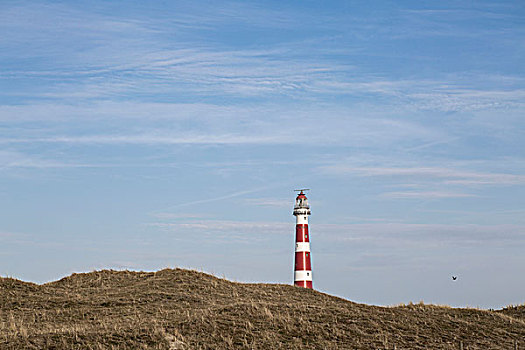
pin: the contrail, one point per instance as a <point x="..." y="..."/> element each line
<point x="208" y="200"/>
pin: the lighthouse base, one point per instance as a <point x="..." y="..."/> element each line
<point x="304" y="284"/>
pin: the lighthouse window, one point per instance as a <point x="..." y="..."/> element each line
<point x="305" y="217"/>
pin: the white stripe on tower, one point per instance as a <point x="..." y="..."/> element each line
<point x="302" y="247"/>
<point x="303" y="276"/>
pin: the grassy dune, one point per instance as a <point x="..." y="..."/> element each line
<point x="182" y="309"/>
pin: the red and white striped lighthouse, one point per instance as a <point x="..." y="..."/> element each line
<point x="303" y="266"/>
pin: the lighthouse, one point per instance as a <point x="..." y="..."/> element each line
<point x="303" y="266"/>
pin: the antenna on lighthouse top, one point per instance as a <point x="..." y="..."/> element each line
<point x="302" y="189"/>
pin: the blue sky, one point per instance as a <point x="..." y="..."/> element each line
<point x="143" y="135"/>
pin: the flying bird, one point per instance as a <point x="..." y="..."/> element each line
<point x="454" y="278"/>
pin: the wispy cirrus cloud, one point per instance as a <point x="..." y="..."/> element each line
<point x="15" y="159"/>
<point x="171" y="216"/>
<point x="222" y="231"/>
<point x="151" y="139"/>
<point x="269" y="202"/>
<point x="142" y="66"/>
<point x="426" y="194"/>
<point x="450" y="99"/>
<point x="200" y="123"/>
<point x="446" y="175"/>
<point x="217" y="198"/>
<point x="228" y="225"/>
<point x="377" y="232"/>
<point x="4" y="234"/>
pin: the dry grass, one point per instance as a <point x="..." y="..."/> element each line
<point x="181" y="309"/>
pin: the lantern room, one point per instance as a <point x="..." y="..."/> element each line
<point x="301" y="204"/>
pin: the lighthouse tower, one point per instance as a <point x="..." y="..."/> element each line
<point x="303" y="266"/>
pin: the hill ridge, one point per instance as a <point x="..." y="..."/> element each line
<point x="188" y="309"/>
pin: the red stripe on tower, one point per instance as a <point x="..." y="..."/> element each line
<point x="303" y="265"/>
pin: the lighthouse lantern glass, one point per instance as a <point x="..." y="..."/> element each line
<point x="301" y="203"/>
